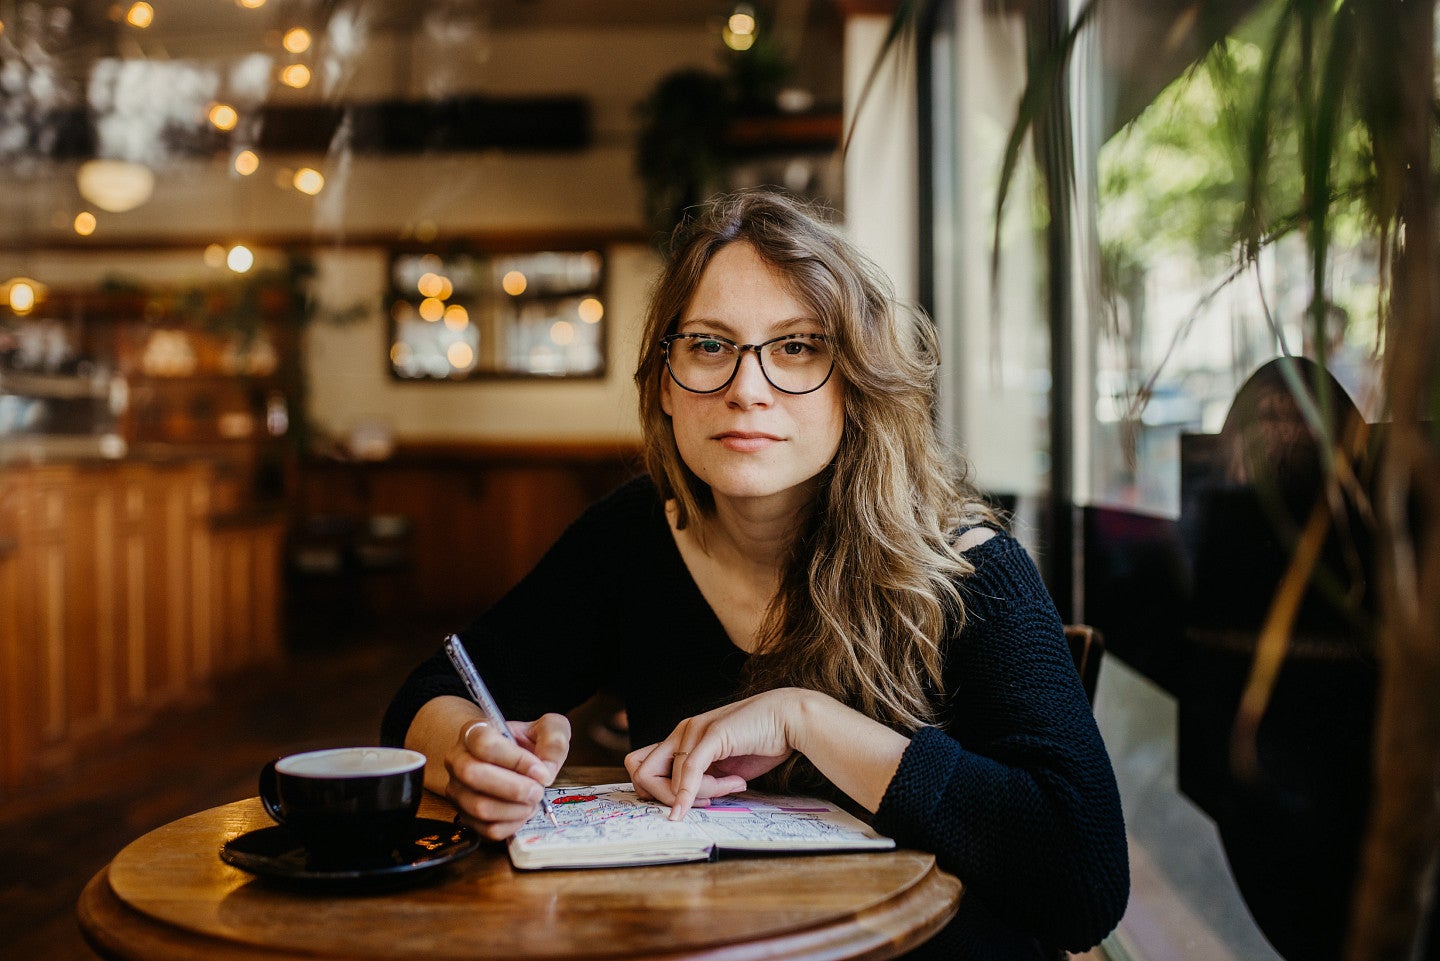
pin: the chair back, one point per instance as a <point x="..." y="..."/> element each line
<point x="1087" y="647"/>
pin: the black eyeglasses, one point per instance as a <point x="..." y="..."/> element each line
<point x="705" y="363"/>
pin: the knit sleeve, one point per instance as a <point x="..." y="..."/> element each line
<point x="1016" y="795"/>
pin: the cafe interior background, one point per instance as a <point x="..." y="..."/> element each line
<point x="316" y="327"/>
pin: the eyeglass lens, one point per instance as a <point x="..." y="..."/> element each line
<point x="795" y="363"/>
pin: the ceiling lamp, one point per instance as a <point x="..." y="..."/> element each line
<point x="21" y="294"/>
<point x="739" y="32"/>
<point x="115" y="185"/>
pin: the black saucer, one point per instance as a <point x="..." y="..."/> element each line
<point x="276" y="854"/>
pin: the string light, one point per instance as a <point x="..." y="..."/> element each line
<point x="223" y="116"/>
<point x="460" y="355"/>
<point x="240" y="259"/>
<point x="308" y="180"/>
<point x="296" y="40"/>
<point x="296" y="75"/>
<point x="84" y="223"/>
<point x="514" y="283"/>
<point x="456" y="317"/>
<point x="22" y="294"/>
<point x="739" y="32"/>
<point x="590" y="310"/>
<point x="140" y="15"/>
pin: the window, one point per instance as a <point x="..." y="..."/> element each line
<point x="464" y="316"/>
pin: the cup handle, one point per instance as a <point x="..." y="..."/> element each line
<point x="270" y="792"/>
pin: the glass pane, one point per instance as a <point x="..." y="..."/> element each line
<point x="996" y="366"/>
<point x="1187" y="322"/>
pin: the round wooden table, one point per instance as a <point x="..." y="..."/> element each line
<point x="167" y="896"/>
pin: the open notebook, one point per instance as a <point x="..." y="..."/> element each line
<point x="607" y="825"/>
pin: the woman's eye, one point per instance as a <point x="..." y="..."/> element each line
<point x="796" y="348"/>
<point x="709" y="346"/>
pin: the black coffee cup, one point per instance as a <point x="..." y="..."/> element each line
<point x="349" y="804"/>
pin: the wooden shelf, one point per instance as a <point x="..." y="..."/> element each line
<point x="787" y="133"/>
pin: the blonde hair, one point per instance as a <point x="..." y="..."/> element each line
<point x="871" y="585"/>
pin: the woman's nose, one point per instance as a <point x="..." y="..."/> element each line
<point x="749" y="385"/>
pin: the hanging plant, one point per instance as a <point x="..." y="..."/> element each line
<point x="682" y="156"/>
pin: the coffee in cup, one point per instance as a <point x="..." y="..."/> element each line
<point x="345" y="804"/>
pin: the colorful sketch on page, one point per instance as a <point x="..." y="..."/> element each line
<point x="758" y="818"/>
<point x="611" y="814"/>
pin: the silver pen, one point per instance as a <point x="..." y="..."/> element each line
<point x="480" y="694"/>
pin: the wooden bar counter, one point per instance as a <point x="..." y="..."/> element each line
<point x="168" y="896"/>
<point x="123" y="589"/>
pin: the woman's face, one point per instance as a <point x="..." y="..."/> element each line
<point x="750" y="440"/>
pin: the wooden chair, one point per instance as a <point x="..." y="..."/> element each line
<point x="1087" y="647"/>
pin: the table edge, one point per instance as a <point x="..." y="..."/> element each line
<point x="935" y="897"/>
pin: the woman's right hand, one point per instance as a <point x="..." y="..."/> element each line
<point x="495" y="783"/>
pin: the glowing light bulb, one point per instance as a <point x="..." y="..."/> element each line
<point x="562" y="332"/>
<point x="22" y="295"/>
<point x="742" y="21"/>
<point x="429" y="284"/>
<point x="514" y="283"/>
<point x="240" y="259"/>
<point x="246" y="162"/>
<point x="460" y="356"/>
<point x="739" y="32"/>
<point x="140" y="15"/>
<point x="590" y="310"/>
<point x="84" y="223"/>
<point x="456" y="317"/>
<point x="431" y="309"/>
<point x="296" y="40"/>
<point x="308" y="180"/>
<point x="296" y="75"/>
<point x="223" y="116"/>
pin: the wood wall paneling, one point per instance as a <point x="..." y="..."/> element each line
<point x="16" y="675"/>
<point x="476" y="517"/>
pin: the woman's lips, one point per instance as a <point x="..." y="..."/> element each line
<point x="746" y="441"/>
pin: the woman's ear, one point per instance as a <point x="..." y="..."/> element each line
<point x="665" y="386"/>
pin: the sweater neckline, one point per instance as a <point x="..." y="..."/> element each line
<point x="697" y="596"/>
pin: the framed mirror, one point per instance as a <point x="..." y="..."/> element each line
<point x="465" y="316"/>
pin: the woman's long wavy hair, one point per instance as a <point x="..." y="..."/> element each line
<point x="872" y="580"/>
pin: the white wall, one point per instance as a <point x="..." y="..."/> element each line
<point x="881" y="165"/>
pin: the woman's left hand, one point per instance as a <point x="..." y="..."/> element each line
<point x="719" y="752"/>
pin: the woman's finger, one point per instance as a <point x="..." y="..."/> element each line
<point x="488" y="809"/>
<point x="549" y="739"/>
<point x="485" y="743"/>
<point x="687" y="778"/>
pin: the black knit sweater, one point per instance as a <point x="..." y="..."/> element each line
<point x="1013" y="793"/>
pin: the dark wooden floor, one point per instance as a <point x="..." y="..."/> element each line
<point x="54" y="838"/>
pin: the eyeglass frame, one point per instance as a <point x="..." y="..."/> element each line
<point x="740" y="350"/>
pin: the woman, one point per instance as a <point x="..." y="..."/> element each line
<point x="800" y="588"/>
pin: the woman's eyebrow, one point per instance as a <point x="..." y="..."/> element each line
<point x="688" y="325"/>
